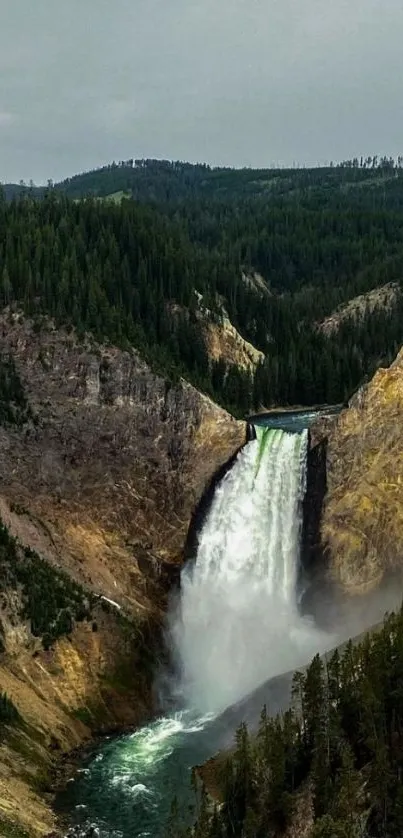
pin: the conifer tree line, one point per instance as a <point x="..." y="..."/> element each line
<point x="14" y="408"/>
<point x="137" y="271"/>
<point x="337" y="753"/>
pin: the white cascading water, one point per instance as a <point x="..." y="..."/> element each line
<point x="238" y="622"/>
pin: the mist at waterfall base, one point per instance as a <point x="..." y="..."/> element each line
<point x="235" y="625"/>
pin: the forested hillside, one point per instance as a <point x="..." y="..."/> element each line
<point x="331" y="766"/>
<point x="157" y="247"/>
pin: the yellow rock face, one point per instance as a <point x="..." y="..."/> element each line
<point x="88" y="682"/>
<point x="224" y="342"/>
<point x="362" y="526"/>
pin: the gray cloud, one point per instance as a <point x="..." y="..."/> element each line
<point x="240" y="82"/>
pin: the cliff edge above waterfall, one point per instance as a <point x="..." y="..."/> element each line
<point x="362" y="516"/>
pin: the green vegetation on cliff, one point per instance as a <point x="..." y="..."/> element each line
<point x="14" y="408"/>
<point x="338" y="750"/>
<point x="50" y="599"/>
<point x="8" y="712"/>
<point x="277" y="250"/>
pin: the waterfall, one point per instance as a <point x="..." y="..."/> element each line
<point x="234" y="626"/>
<point x="238" y="622"/>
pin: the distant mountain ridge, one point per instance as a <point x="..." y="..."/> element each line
<point x="155" y="236"/>
<point x="165" y="180"/>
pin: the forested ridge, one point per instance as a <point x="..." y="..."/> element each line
<point x="142" y="252"/>
<point x="336" y="756"/>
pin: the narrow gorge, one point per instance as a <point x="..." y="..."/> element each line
<point x="235" y="625"/>
<point x="110" y="480"/>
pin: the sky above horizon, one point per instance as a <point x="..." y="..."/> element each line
<point x="227" y="82"/>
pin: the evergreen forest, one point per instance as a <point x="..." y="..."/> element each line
<point x="142" y="252"/>
<point x="334" y="758"/>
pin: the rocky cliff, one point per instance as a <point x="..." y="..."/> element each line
<point x="362" y="517"/>
<point x="97" y="678"/>
<point x="224" y="342"/>
<point x="113" y="461"/>
<point x="100" y="478"/>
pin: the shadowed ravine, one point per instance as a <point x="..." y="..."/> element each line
<point x="234" y="627"/>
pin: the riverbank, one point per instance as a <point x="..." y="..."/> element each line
<point x="68" y="766"/>
<point x="93" y="683"/>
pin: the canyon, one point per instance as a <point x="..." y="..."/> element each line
<point x="103" y="479"/>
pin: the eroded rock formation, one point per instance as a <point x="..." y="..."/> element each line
<point x="113" y="462"/>
<point x="362" y="518"/>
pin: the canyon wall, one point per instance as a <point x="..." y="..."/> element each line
<point x="361" y="528"/>
<point x="100" y="475"/>
<point x="113" y="461"/>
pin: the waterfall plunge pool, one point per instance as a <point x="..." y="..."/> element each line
<point x="125" y="786"/>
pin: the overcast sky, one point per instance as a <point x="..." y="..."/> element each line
<point x="236" y="82"/>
